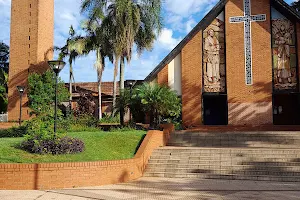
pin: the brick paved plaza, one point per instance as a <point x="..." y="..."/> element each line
<point x="164" y="188"/>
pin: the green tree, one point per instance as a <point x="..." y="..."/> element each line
<point x="3" y="91"/>
<point x="4" y="56"/>
<point x="157" y="101"/>
<point x="41" y="93"/>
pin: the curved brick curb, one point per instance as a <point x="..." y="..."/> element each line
<point x="80" y="174"/>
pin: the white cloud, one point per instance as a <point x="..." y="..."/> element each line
<point x="180" y="17"/>
<point x="166" y="39"/>
<point x="188" y="7"/>
<point x="190" y="24"/>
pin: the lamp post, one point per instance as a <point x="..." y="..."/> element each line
<point x="21" y="90"/>
<point x="56" y="66"/>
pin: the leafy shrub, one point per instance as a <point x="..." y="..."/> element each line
<point x="13" y="132"/>
<point x="157" y="101"/>
<point x="86" y="120"/>
<point x="110" y="119"/>
<point x="41" y="138"/>
<point x="64" y="145"/>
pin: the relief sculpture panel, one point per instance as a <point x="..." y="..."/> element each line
<point x="284" y="52"/>
<point x="214" y="56"/>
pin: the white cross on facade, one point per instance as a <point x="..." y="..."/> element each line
<point x="247" y="19"/>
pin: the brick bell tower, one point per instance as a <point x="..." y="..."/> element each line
<point x="31" y="37"/>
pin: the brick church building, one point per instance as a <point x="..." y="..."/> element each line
<point x="238" y="66"/>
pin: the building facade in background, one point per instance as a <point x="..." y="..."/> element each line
<point x="238" y="66"/>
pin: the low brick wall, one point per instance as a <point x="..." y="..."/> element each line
<point x="6" y="125"/>
<point x="80" y="174"/>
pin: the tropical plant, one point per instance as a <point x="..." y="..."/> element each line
<point x="66" y="52"/>
<point x="41" y="93"/>
<point x="157" y="101"/>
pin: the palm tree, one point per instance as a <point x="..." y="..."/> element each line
<point x="130" y="22"/>
<point x="71" y="55"/>
<point x="96" y="41"/>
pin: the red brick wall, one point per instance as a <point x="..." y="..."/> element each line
<point x="162" y="76"/>
<point x="192" y="81"/>
<point x="249" y="104"/>
<point x="34" y="19"/>
<point x="80" y="174"/>
<point x="298" y="48"/>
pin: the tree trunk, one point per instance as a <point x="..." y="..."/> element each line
<point x="70" y="87"/>
<point x="122" y="73"/>
<point x="122" y="82"/>
<point x="115" y="86"/>
<point x="99" y="95"/>
<point x="100" y="67"/>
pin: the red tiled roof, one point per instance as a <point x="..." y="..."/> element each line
<point x="107" y="87"/>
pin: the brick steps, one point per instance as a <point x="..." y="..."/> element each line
<point x="244" y="156"/>
<point x="245" y="139"/>
<point x="225" y="176"/>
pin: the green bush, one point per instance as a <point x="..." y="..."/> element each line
<point x="111" y="119"/>
<point x="79" y="123"/>
<point x="160" y="102"/>
<point x="13" y="132"/>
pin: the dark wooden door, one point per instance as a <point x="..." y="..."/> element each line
<point x="286" y="109"/>
<point x="215" y="109"/>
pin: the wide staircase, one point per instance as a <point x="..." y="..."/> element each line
<point x="261" y="156"/>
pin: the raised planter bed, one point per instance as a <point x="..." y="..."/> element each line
<point x="81" y="174"/>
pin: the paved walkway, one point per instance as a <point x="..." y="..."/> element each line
<point x="162" y="188"/>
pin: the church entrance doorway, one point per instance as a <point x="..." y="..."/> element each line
<point x="286" y="109"/>
<point x="215" y="109"/>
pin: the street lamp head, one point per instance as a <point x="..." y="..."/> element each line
<point x="131" y="83"/>
<point x="56" y="65"/>
<point x="21" y="89"/>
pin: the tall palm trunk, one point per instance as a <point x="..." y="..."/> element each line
<point x="115" y="85"/>
<point x="122" y="73"/>
<point x="122" y="82"/>
<point x="99" y="73"/>
<point x="100" y="68"/>
<point x="70" y="86"/>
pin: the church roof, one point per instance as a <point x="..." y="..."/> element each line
<point x="286" y="8"/>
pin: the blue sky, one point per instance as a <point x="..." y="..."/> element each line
<point x="180" y="16"/>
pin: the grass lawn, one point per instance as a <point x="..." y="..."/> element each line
<point x="98" y="146"/>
